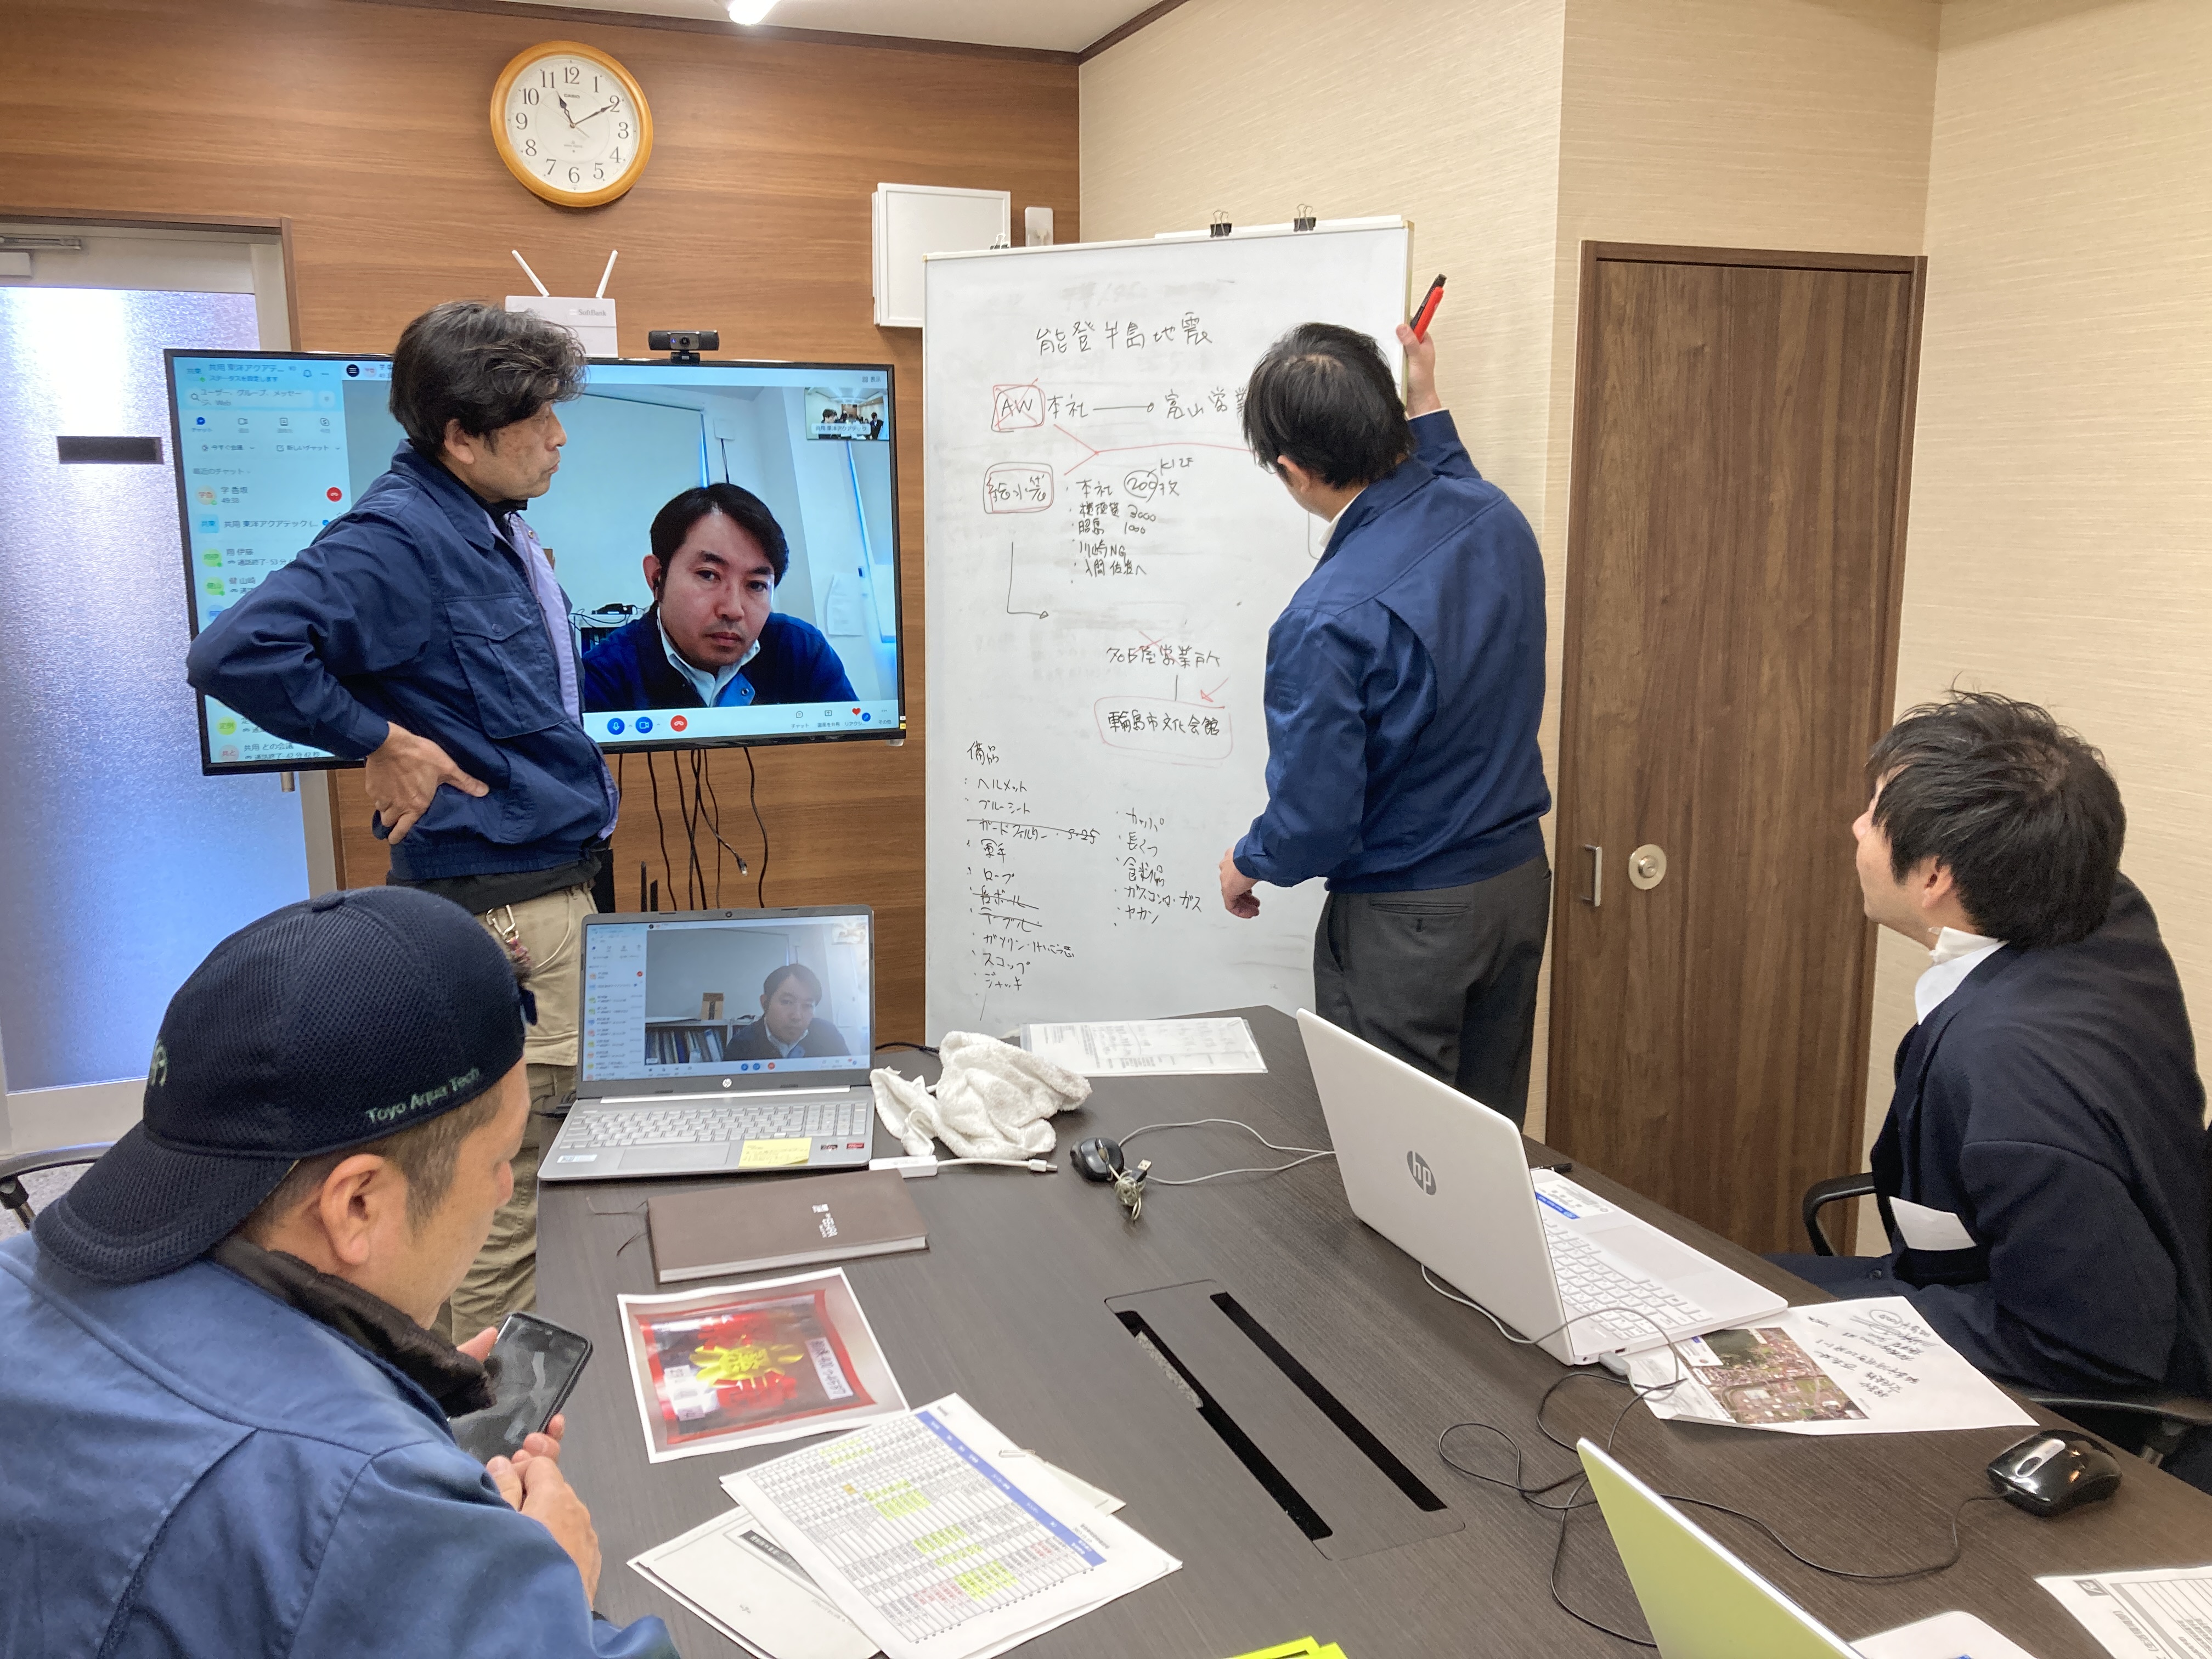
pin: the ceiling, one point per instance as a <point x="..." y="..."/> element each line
<point x="1043" y="25"/>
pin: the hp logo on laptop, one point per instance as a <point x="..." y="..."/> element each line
<point x="1424" y="1176"/>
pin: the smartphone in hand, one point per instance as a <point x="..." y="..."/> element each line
<point x="533" y="1365"/>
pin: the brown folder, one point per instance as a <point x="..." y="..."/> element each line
<point x="752" y="1226"/>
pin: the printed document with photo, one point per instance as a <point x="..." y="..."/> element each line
<point x="744" y="1365"/>
<point x="1863" y="1367"/>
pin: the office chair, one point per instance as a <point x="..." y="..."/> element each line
<point x="2166" y="1419"/>
<point x="15" y="1166"/>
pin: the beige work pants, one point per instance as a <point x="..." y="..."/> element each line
<point x="503" y="1278"/>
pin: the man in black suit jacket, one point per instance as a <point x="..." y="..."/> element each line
<point x="786" y="1028"/>
<point x="2041" y="1174"/>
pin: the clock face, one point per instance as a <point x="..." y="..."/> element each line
<point x="572" y="124"/>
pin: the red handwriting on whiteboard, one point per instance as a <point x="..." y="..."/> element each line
<point x="1013" y="407"/>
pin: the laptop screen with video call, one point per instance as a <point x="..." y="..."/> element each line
<point x="669" y="996"/>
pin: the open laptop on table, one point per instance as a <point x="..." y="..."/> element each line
<point x="1700" y="1599"/>
<point x="1443" y="1177"/>
<point x="721" y="1041"/>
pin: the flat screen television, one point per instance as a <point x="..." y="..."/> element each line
<point x="272" y="445"/>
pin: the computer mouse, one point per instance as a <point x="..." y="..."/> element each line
<point x="2057" y="1470"/>
<point x="1097" y="1157"/>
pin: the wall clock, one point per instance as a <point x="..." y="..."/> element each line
<point x="571" y="123"/>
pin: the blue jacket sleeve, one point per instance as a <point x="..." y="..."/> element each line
<point x="2078" y="1287"/>
<point x="1437" y="446"/>
<point x="431" y="1567"/>
<point x="821" y="670"/>
<point x="351" y="604"/>
<point x="1317" y="668"/>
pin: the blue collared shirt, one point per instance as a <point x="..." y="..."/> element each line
<point x="1405" y="683"/>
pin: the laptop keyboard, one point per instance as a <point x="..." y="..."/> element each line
<point x="1589" y="1281"/>
<point x="716" y="1123"/>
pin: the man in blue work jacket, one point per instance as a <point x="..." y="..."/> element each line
<point x="1405" y="682"/>
<point x="423" y="634"/>
<point x="223" y="1424"/>
<point x="2041" y="1173"/>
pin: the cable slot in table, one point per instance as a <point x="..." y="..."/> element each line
<point x="1301" y="1440"/>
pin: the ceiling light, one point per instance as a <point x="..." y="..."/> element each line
<point x="749" y="11"/>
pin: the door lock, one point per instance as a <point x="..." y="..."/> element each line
<point x="1647" y="867"/>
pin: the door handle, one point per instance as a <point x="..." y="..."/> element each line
<point x="1596" y="896"/>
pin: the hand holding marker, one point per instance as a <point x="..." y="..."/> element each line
<point x="1422" y="317"/>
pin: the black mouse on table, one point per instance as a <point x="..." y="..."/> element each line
<point x="1097" y="1157"/>
<point x="2056" y="1470"/>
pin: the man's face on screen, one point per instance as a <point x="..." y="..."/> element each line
<point x="714" y="595"/>
<point x="788" y="1011"/>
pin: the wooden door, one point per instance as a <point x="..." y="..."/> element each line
<point x="1742" y="440"/>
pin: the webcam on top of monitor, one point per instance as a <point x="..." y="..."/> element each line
<point x="684" y="345"/>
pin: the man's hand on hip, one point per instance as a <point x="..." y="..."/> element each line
<point x="402" y="776"/>
<point x="1237" y="887"/>
<point x="1421" y="373"/>
<point x="540" y="1491"/>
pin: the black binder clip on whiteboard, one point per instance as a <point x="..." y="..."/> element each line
<point x="1220" y="226"/>
<point x="1304" y="219"/>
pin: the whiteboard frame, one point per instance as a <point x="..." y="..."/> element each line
<point x="1256" y="232"/>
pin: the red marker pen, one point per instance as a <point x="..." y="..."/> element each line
<point x="1422" y="317"/>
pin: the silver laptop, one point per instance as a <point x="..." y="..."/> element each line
<point x="722" y="1042"/>
<point x="1444" y="1178"/>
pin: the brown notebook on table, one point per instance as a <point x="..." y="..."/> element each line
<point x="749" y="1227"/>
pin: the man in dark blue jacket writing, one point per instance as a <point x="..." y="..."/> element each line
<point x="1405" y="682"/>
<point x="424" y="633"/>
<point x="2041" y="1172"/>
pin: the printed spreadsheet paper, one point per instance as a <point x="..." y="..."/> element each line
<point x="1149" y="1048"/>
<point x="2165" y="1613"/>
<point x="940" y="1538"/>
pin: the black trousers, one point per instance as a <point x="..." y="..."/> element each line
<point x="1445" y="979"/>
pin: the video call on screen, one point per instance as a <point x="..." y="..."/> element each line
<point x="692" y="998"/>
<point x="272" y="448"/>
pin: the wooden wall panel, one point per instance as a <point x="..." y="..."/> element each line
<point x="366" y="124"/>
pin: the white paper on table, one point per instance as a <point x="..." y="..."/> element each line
<point x="728" y="1571"/>
<point x="1947" y="1636"/>
<point x="1151" y="1047"/>
<point x="1875" y="1363"/>
<point x="2165" y="1613"/>
<point x="951" y="1541"/>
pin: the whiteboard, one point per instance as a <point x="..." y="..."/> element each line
<point x="1104" y="558"/>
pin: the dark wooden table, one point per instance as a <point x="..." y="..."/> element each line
<point x="1007" y="1307"/>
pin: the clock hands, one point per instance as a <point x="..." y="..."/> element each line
<point x="601" y="110"/>
<point x="565" y="116"/>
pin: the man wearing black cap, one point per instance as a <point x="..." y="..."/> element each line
<point x="225" y="1422"/>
